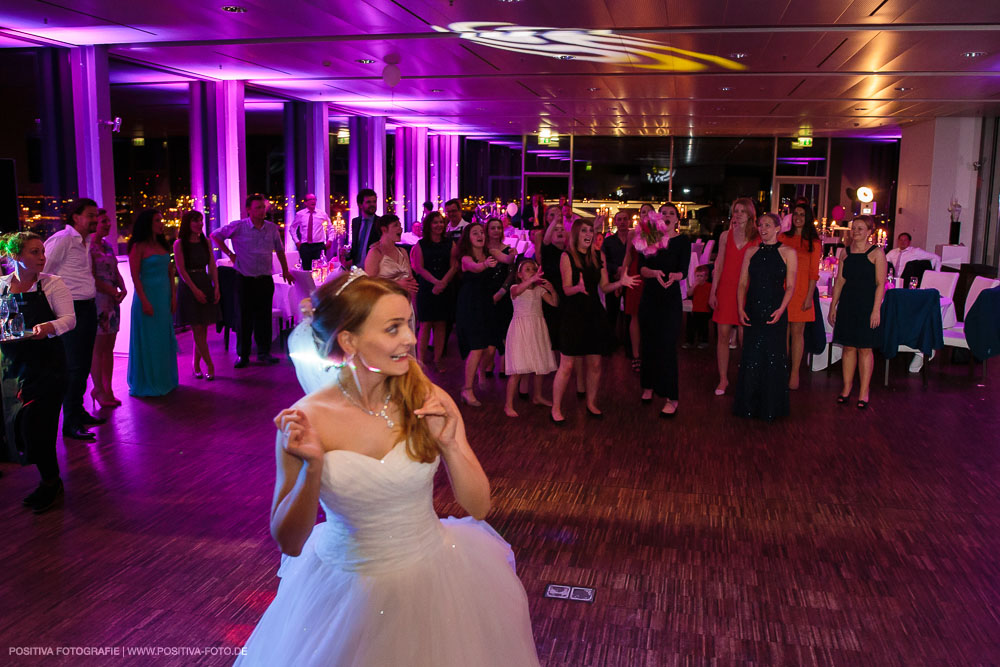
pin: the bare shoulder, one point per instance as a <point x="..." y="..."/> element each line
<point x="786" y="251"/>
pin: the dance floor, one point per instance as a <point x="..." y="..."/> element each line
<point x="833" y="537"/>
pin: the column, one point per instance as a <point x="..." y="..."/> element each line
<point x="411" y="173"/>
<point x="936" y="165"/>
<point x="92" y="124"/>
<point x="218" y="150"/>
<point x="367" y="158"/>
<point x="307" y="155"/>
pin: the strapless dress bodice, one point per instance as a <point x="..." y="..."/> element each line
<point x="379" y="512"/>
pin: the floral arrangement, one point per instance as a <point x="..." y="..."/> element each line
<point x="652" y="235"/>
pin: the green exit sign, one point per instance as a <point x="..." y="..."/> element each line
<point x="806" y="142"/>
<point x="544" y="141"/>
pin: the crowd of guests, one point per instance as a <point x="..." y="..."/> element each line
<point x="564" y="303"/>
<point x="560" y="307"/>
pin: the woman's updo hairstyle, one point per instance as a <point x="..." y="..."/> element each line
<point x="344" y="304"/>
<point x="13" y="243"/>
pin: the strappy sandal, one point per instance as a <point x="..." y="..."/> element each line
<point x="636" y="364"/>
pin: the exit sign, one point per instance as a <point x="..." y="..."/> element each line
<point x="543" y="141"/>
<point x="806" y="142"/>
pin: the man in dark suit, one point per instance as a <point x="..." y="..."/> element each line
<point x="364" y="228"/>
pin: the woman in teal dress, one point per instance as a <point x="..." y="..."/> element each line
<point x="152" y="354"/>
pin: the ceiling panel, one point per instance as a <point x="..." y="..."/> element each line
<point x="790" y="63"/>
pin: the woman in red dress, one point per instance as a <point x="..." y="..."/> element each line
<point x="804" y="239"/>
<point x="733" y="245"/>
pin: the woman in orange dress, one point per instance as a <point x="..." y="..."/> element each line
<point x="733" y="245"/>
<point x="634" y="294"/>
<point x="804" y="239"/>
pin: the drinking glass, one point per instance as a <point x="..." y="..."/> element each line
<point x="914" y="282"/>
<point x="4" y="314"/>
<point x="16" y="324"/>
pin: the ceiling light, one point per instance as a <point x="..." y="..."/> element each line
<point x="725" y="89"/>
<point x="436" y="90"/>
<point x="739" y="55"/>
<point x="903" y="89"/>
<point x="364" y="61"/>
<point x="593" y="90"/>
<point x="566" y="57"/>
<point x="974" y="54"/>
<point x="234" y="9"/>
<point x="861" y="108"/>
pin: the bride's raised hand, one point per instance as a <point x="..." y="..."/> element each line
<point x="442" y="419"/>
<point x="301" y="440"/>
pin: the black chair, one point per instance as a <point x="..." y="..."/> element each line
<point x="915" y="269"/>
<point x="229" y="303"/>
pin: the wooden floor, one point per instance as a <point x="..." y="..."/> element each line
<point x="833" y="537"/>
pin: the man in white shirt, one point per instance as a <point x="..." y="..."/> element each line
<point x="904" y="252"/>
<point x="254" y="238"/>
<point x="309" y="232"/>
<point x="453" y="216"/>
<point x="67" y="255"/>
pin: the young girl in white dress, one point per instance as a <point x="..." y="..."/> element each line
<point x="383" y="581"/>
<point x="529" y="350"/>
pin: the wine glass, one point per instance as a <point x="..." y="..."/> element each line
<point x="4" y="314"/>
<point x="16" y="324"/>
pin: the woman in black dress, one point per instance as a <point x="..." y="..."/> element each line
<point x="474" y="313"/>
<point x="198" y="289"/>
<point x="856" y="308"/>
<point x="432" y="263"/>
<point x="503" y="307"/>
<point x="767" y="282"/>
<point x="663" y="261"/>
<point x="583" y="329"/>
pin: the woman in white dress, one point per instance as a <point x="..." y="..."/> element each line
<point x="383" y="581"/>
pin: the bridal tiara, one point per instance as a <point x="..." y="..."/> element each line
<point x="352" y="276"/>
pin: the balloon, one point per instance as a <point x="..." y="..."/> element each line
<point x="512" y="209"/>
<point x="838" y="213"/>
<point x="391" y="75"/>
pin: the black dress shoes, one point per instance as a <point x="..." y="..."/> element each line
<point x="87" y="419"/>
<point x="267" y="359"/>
<point x="241" y="362"/>
<point x="79" y="433"/>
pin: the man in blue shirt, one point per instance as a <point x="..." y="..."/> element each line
<point x="254" y="239"/>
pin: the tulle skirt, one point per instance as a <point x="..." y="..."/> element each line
<point x="460" y="606"/>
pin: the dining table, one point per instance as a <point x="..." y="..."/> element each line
<point x="833" y="352"/>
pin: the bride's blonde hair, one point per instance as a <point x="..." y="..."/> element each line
<point x="338" y="306"/>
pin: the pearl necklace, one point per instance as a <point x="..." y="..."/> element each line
<point x="383" y="413"/>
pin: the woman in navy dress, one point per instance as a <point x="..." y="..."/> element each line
<point x="662" y="265"/>
<point x="856" y="309"/>
<point x="584" y="332"/>
<point x="434" y="270"/>
<point x="474" y="312"/>
<point x="767" y="282"/>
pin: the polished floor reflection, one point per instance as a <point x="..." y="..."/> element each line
<point x="836" y="536"/>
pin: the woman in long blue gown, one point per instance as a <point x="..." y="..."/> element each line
<point x="152" y="354"/>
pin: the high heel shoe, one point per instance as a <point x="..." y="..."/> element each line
<point x="472" y="402"/>
<point x="103" y="401"/>
<point x="210" y="373"/>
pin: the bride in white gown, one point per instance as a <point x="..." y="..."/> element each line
<point x="383" y="582"/>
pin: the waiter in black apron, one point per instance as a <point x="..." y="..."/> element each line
<point x="33" y="362"/>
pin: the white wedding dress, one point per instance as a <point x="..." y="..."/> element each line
<point x="384" y="582"/>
